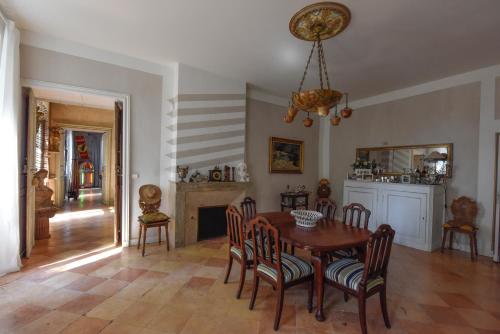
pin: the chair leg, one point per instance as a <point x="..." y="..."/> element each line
<point x="243" y="272"/>
<point x="310" y="291"/>
<point x="475" y="245"/>
<point x="255" y="287"/>
<point x="144" y="240"/>
<point x="383" y="305"/>
<point x="228" y="271"/>
<point x="443" y="243"/>
<point x="346" y="297"/>
<point x="166" y="236"/>
<point x="159" y="235"/>
<point x="140" y="233"/>
<point x="362" y="313"/>
<point x="451" y="240"/>
<point x="279" y="307"/>
<point x="471" y="244"/>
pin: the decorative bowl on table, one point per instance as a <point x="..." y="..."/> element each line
<point x="306" y="218"/>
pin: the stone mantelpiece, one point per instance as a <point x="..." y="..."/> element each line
<point x="191" y="196"/>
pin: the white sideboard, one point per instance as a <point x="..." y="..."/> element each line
<point x="415" y="212"/>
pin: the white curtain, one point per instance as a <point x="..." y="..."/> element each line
<point x="10" y="106"/>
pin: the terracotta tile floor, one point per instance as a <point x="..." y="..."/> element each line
<point x="113" y="290"/>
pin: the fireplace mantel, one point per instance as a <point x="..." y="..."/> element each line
<point x="191" y="196"/>
<point x="211" y="186"/>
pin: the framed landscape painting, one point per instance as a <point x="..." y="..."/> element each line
<point x="286" y="155"/>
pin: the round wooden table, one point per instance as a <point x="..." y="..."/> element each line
<point x="326" y="237"/>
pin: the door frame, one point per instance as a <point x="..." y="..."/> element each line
<point x="125" y="99"/>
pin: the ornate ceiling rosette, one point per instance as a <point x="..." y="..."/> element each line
<point x="327" y="19"/>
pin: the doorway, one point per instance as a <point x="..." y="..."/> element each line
<point x="75" y="136"/>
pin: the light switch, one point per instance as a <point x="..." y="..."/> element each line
<point x="135" y="176"/>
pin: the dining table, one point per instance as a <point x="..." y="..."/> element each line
<point x="327" y="236"/>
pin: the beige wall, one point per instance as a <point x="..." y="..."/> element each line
<point x="497" y="98"/>
<point x="264" y="120"/>
<point x="450" y="115"/>
<point x="145" y="92"/>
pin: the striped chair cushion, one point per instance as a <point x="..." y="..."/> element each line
<point x="293" y="268"/>
<point x="346" y="253"/>
<point x="349" y="272"/>
<point x="248" y="249"/>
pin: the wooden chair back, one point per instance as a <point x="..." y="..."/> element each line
<point x="149" y="198"/>
<point x="235" y="229"/>
<point x="266" y="244"/>
<point x="378" y="251"/>
<point x="327" y="207"/>
<point x="356" y="215"/>
<point x="464" y="211"/>
<point x="248" y="208"/>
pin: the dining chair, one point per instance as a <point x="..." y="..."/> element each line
<point x="149" y="202"/>
<point x="464" y="212"/>
<point x="279" y="269"/>
<point x="240" y="248"/>
<point x="248" y="208"/>
<point x="327" y="207"/>
<point x="355" y="215"/>
<point x="363" y="280"/>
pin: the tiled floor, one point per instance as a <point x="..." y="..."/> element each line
<point x="114" y="290"/>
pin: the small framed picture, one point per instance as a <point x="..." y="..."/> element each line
<point x="286" y="155"/>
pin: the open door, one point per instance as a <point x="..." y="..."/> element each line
<point x="30" y="170"/>
<point x="118" y="171"/>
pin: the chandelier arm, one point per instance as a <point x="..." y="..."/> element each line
<point x="320" y="63"/>
<point x="324" y="67"/>
<point x="307" y="67"/>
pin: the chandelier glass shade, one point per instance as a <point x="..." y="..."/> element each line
<point x="316" y="23"/>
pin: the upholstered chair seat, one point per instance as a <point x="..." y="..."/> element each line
<point x="351" y="253"/>
<point x="248" y="249"/>
<point x="349" y="273"/>
<point x="153" y="217"/>
<point x="294" y="268"/>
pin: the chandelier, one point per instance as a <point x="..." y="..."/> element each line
<point x="316" y="23"/>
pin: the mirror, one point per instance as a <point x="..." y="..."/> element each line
<point x="397" y="160"/>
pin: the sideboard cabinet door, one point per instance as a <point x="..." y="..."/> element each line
<point x="368" y="197"/>
<point x="406" y="212"/>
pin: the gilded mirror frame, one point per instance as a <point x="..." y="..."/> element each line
<point x="449" y="160"/>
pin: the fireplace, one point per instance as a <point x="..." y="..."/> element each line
<point x="191" y="200"/>
<point x="212" y="222"/>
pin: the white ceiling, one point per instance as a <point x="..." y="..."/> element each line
<point x="74" y="98"/>
<point x="390" y="44"/>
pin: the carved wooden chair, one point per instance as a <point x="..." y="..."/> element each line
<point x="355" y="215"/>
<point x="149" y="202"/>
<point x="363" y="280"/>
<point x="248" y="208"/>
<point x="240" y="248"/>
<point x="327" y="207"/>
<point x="464" y="212"/>
<point x="279" y="269"/>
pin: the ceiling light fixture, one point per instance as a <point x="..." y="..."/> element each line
<point x="316" y="23"/>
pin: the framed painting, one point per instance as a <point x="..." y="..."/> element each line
<point x="286" y="155"/>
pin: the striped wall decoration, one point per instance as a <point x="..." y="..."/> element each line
<point x="205" y="130"/>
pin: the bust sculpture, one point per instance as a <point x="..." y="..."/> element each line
<point x="43" y="194"/>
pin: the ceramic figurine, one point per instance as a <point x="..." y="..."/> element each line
<point x="242" y="174"/>
<point x="182" y="172"/>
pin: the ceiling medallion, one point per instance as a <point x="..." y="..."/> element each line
<point x="316" y="23"/>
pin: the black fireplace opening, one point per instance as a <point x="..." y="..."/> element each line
<point x="211" y="222"/>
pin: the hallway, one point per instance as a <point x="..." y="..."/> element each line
<point x="81" y="226"/>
